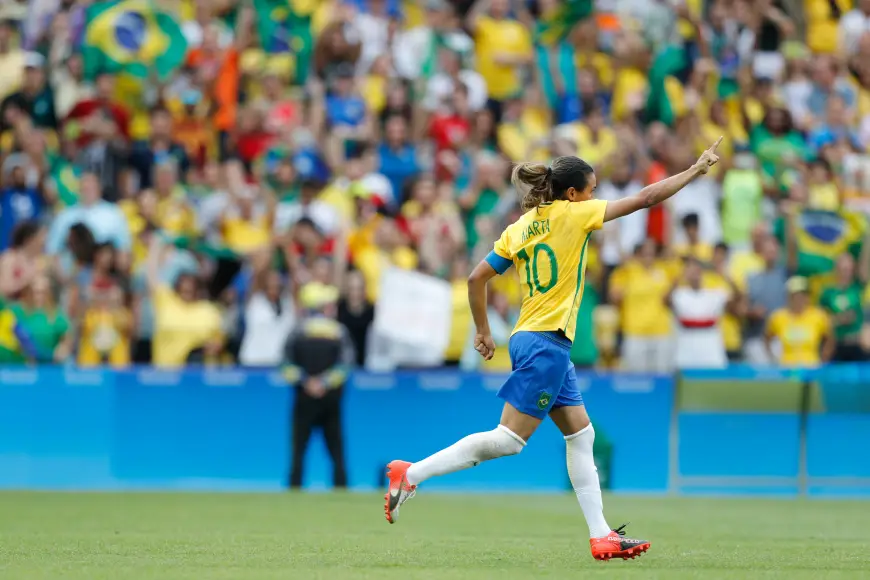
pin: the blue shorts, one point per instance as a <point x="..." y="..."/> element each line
<point x="543" y="375"/>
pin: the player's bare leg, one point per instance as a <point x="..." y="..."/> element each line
<point x="605" y="543"/>
<point x="508" y="438"/>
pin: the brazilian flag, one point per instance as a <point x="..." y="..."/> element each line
<point x="132" y="36"/>
<point x="822" y="236"/>
<point x="64" y="176"/>
<point x="284" y="26"/>
<point x="555" y="25"/>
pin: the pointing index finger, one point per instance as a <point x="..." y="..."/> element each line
<point x="713" y="147"/>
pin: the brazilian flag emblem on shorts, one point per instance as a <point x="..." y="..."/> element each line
<point x="544" y="401"/>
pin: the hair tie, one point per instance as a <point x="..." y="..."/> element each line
<point x="549" y="172"/>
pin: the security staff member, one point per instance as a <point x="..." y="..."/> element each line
<point x="318" y="357"/>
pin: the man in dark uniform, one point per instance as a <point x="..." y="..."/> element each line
<point x="318" y="356"/>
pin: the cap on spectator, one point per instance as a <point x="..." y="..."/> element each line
<point x="314" y="295"/>
<point x="33" y="60"/>
<point x="797" y="284"/>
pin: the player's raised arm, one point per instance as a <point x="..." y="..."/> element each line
<point x="659" y="192"/>
<point x="481" y="274"/>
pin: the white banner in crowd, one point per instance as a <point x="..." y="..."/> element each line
<point x="412" y="321"/>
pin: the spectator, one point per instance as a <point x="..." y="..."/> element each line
<point x="398" y="156"/>
<point x="270" y="316"/>
<point x="694" y="247"/>
<point x="106" y="331"/>
<point x="19" y="263"/>
<point x="802" y="331"/>
<point x="698" y="313"/>
<point x="357" y="314"/>
<point x="19" y="203"/>
<point x="159" y="149"/>
<point x="843" y="302"/>
<point x="35" y="98"/>
<point x="105" y="220"/>
<point x="185" y="326"/>
<point x="43" y="331"/>
<point x="640" y="288"/>
<point x="504" y="48"/>
<point x="853" y="25"/>
<point x="766" y="294"/>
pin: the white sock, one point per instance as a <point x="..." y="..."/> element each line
<point x="466" y="453"/>
<point x="584" y="479"/>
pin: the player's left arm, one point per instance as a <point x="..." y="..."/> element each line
<point x="658" y="192"/>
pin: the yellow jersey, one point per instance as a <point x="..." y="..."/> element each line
<point x="800" y="335"/>
<point x="548" y="246"/>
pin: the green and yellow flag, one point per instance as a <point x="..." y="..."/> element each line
<point x="284" y="26"/>
<point x="555" y="25"/>
<point x="132" y="36"/>
<point x="64" y="177"/>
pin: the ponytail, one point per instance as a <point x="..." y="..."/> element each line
<point x="535" y="181"/>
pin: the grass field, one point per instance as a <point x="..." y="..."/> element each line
<point x="344" y="536"/>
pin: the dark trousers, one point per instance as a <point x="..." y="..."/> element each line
<point x="325" y="413"/>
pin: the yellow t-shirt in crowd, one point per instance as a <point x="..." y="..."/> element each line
<point x="374" y="93"/>
<point x="700" y="251"/>
<point x="594" y="149"/>
<point x="516" y="139"/>
<point x="175" y="216"/>
<point x="11" y="72"/>
<point x="643" y="312"/>
<point x="630" y="85"/>
<point x="548" y="248"/>
<point x="601" y="63"/>
<point x="508" y="37"/>
<point x="460" y="321"/>
<point x="244" y="236"/>
<point x="696" y="9"/>
<point x="181" y="327"/>
<point x="800" y="335"/>
<point x="822" y="33"/>
<point x="337" y="194"/>
<point x="371" y="261"/>
<point x="104" y="333"/>
<point x="824" y="196"/>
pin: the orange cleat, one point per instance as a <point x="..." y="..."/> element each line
<point x="616" y="545"/>
<point x="399" y="491"/>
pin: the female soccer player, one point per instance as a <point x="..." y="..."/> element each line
<point x="548" y="246"/>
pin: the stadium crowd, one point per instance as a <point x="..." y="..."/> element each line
<point x="182" y="180"/>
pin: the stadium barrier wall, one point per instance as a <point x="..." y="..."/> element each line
<point x="226" y="430"/>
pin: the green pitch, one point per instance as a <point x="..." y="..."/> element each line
<point x="441" y="537"/>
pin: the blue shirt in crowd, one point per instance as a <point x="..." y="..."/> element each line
<point x="17" y="204"/>
<point x="399" y="166"/>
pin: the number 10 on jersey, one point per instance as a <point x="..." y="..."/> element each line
<point x="532" y="278"/>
